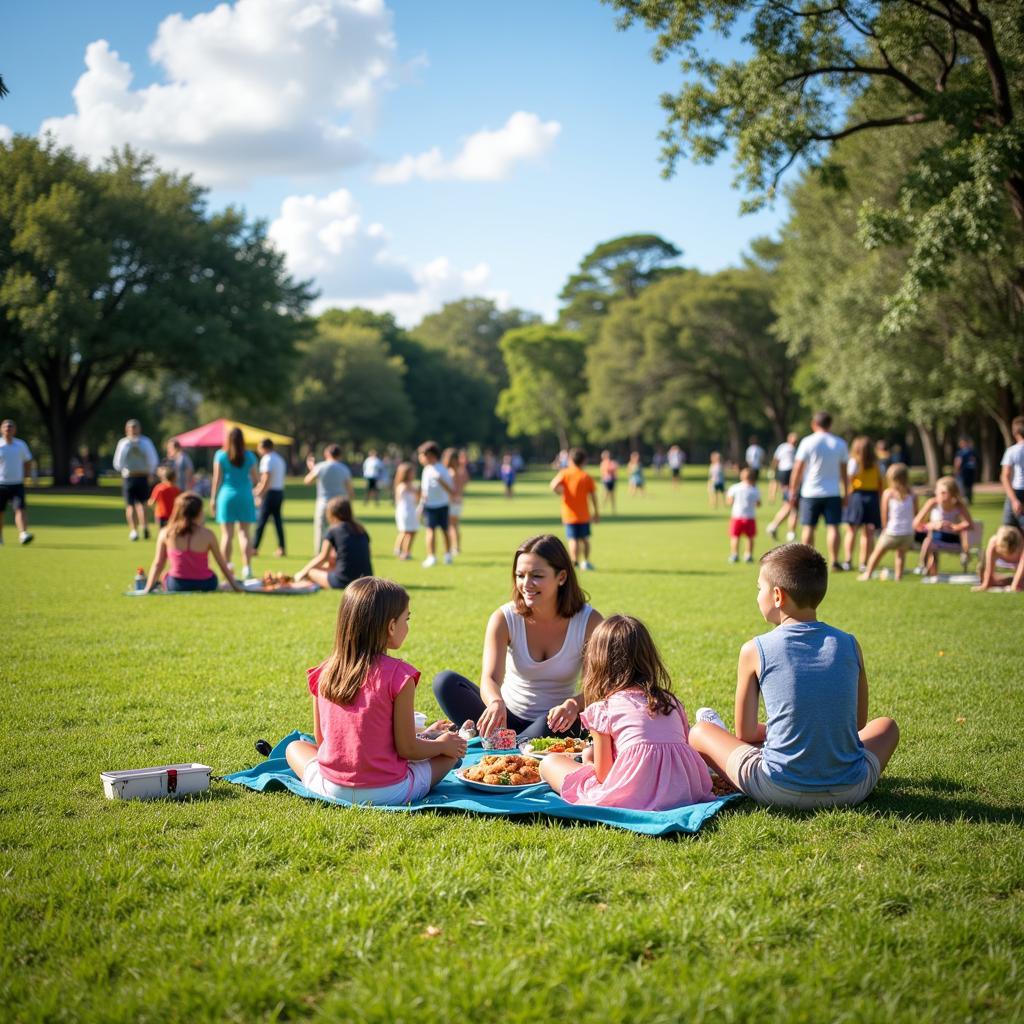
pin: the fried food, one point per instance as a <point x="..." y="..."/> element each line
<point x="276" y="580"/>
<point x="504" y="770"/>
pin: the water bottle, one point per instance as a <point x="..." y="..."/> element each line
<point x="140" y="578"/>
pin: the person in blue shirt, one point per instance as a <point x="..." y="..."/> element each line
<point x="816" y="747"/>
<point x="965" y="468"/>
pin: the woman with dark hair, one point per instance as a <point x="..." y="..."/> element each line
<point x="234" y="476"/>
<point x="533" y="651"/>
<point x="345" y="553"/>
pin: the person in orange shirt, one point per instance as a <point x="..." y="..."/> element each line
<point x="163" y="495"/>
<point x="577" y="489"/>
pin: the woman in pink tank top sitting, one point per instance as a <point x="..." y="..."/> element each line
<point x="184" y="545"/>
<point x="533" y="651"/>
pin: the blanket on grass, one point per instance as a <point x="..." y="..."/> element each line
<point x="450" y="794"/>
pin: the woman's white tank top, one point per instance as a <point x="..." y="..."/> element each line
<point x="532" y="688"/>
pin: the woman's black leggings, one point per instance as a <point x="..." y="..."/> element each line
<point x="460" y="700"/>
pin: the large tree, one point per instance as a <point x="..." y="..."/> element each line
<point x="617" y="269"/>
<point x="954" y="63"/>
<point x="545" y="372"/>
<point x="121" y="268"/>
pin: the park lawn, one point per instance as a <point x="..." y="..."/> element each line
<point x="239" y="906"/>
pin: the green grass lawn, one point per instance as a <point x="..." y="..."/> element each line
<point x="245" y="907"/>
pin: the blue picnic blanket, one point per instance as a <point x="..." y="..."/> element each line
<point x="451" y="794"/>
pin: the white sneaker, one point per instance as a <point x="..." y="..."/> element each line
<point x="748" y="558"/>
<point x="25" y="537"/>
<point x="429" y="562"/>
<point x="734" y="558"/>
<point x="247" y="573"/>
<point x="790" y="537"/>
<point x="133" y="534"/>
<point x="772" y="531"/>
<point x="448" y="558"/>
<point x="711" y="716"/>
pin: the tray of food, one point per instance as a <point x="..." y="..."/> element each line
<point x="554" y="745"/>
<point x="502" y="773"/>
<point x="279" y="583"/>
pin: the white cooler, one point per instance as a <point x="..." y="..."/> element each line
<point x="171" y="780"/>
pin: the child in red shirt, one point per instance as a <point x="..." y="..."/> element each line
<point x="163" y="495"/>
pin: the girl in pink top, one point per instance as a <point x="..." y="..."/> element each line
<point x="185" y="545"/>
<point x="641" y="758"/>
<point x="366" y="749"/>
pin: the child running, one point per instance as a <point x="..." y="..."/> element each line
<point x="636" y="474"/>
<point x="163" y="496"/>
<point x="944" y="519"/>
<point x="185" y="545"/>
<point x="1006" y="547"/>
<point x="899" y="507"/>
<point x="744" y="499"/>
<point x="407" y="522"/>
<point x="716" y="479"/>
<point x="577" y="488"/>
<point x="344" y="555"/>
<point x="367" y="750"/>
<point x="640" y="757"/>
<point x="817" y="747"/>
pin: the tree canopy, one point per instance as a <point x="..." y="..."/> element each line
<point x="120" y="269"/>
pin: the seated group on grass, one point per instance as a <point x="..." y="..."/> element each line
<point x="816" y="749"/>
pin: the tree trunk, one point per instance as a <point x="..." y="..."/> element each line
<point x="63" y="443"/>
<point x="986" y="446"/>
<point x="931" y="451"/>
<point x="735" y="432"/>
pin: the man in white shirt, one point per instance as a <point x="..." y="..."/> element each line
<point x="269" y="494"/>
<point x="1011" y="476"/>
<point x="333" y="479"/>
<point x="15" y="461"/>
<point x="373" y="470"/>
<point x="782" y="464"/>
<point x="754" y="456"/>
<point x="135" y="458"/>
<point x="436" y="490"/>
<point x="819" y="477"/>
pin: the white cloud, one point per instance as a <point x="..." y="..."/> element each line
<point x="5" y="134"/>
<point x="327" y="239"/>
<point x="485" y="155"/>
<point x="258" y="87"/>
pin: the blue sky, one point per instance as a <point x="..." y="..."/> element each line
<point x="394" y="210"/>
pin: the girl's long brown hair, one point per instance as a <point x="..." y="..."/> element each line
<point x="405" y="474"/>
<point x="621" y="655"/>
<point x="340" y="510"/>
<point x="185" y="515"/>
<point x="863" y="451"/>
<point x="571" y="597"/>
<point x="236" y="446"/>
<point x="369" y="606"/>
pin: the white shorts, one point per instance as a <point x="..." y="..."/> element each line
<point x="745" y="769"/>
<point x="415" y="786"/>
<point x="455" y="508"/>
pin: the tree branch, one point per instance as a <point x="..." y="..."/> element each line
<point x="881" y="122"/>
<point x="115" y="375"/>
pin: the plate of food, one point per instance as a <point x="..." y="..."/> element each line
<point x="502" y="773"/>
<point x="554" y="745"/>
<point x="279" y="583"/>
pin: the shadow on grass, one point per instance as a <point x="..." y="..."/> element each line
<point x="79" y="514"/>
<point x="935" y="798"/>
<point x="80" y="547"/>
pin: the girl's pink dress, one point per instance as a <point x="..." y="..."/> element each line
<point x="654" y="767"/>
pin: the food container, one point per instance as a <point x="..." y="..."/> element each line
<point x="171" y="780"/>
<point x="421" y="720"/>
<point x="502" y="739"/>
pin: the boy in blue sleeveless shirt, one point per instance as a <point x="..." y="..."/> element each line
<point x="817" y="747"/>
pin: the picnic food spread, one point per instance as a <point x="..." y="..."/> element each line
<point x="500" y="739"/>
<point x="504" y="770"/>
<point x="557" y="745"/>
<point x="276" y="580"/>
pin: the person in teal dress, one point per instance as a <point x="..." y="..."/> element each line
<point x="234" y="475"/>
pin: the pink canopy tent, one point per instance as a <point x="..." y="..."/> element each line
<point x="213" y="435"/>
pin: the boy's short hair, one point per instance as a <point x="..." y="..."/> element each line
<point x="429" y="448"/>
<point x="166" y="473"/>
<point x="578" y="456"/>
<point x="799" y="570"/>
<point x="334" y="451"/>
<point x="822" y="419"/>
<point x="266" y="445"/>
<point x="746" y="474"/>
<point x="1017" y="426"/>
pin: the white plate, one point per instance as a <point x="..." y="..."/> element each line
<point x="487" y="788"/>
<point x="525" y="749"/>
<point x="256" y="587"/>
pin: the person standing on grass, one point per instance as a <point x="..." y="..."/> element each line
<point x="333" y="479"/>
<point x="178" y="460"/>
<point x="819" y="478"/>
<point x="816" y="747"/>
<point x="609" y="471"/>
<point x="965" y="468"/>
<point x="578" y="490"/>
<point x="533" y="651"/>
<point x="269" y="494"/>
<point x="754" y="456"/>
<point x="373" y="470"/>
<point x="234" y="476"/>
<point x="135" y="458"/>
<point x="676" y="460"/>
<point x="782" y="465"/>
<point x="743" y="499"/>
<point x="436" y="491"/>
<point x="1012" y="477"/>
<point x="863" y="509"/>
<point x="15" y="461"/>
<point x="454" y="462"/>
<point x="164" y="495"/>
